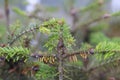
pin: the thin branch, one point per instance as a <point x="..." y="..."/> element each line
<point x="103" y="64"/>
<point x="22" y="33"/>
<point x="74" y="53"/>
<point x="41" y="18"/>
<point x="105" y="16"/>
<point x="7" y="15"/>
<point x="91" y="51"/>
<point x="35" y="55"/>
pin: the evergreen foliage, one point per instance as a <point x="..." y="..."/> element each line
<point x="56" y="29"/>
<point x="15" y="53"/>
<point x="97" y="51"/>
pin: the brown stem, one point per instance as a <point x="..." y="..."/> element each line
<point x="22" y="33"/>
<point x="75" y="53"/>
<point x="60" y="50"/>
<point x="7" y="15"/>
<point x="91" y="51"/>
<point x="86" y="24"/>
<point x="105" y="16"/>
<point x="60" y="68"/>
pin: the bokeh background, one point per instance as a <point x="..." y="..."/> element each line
<point x="90" y="22"/>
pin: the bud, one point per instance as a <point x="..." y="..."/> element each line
<point x="2" y="45"/>
<point x="73" y="11"/>
<point x="2" y="58"/>
<point x="100" y="2"/>
<point x="91" y="51"/>
<point x="35" y="68"/>
<point x="106" y="15"/>
<point x="61" y="22"/>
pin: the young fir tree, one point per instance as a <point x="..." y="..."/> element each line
<point x="60" y="56"/>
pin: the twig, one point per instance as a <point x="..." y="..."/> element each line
<point x="91" y="51"/>
<point x="22" y="33"/>
<point x="7" y="15"/>
<point x="105" y="16"/>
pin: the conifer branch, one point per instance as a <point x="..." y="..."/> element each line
<point x="22" y="33"/>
